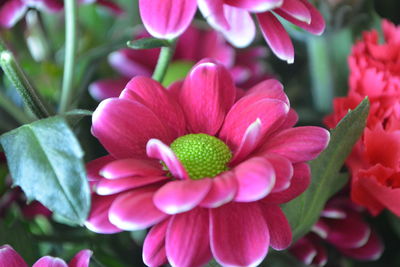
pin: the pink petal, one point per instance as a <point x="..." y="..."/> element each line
<point x="298" y="144"/>
<point x="321" y="229"/>
<point x="250" y="141"/>
<point x="109" y="187"/>
<point x="180" y="196"/>
<point x="154" y="96"/>
<point x="206" y="96"/>
<point x="10" y="258"/>
<point x="256" y="178"/>
<point x="48" y="261"/>
<point x="11" y="11"/>
<point x="317" y="25"/>
<point x="300" y="181"/>
<point x="270" y="88"/>
<point x="158" y="150"/>
<point x="135" y="210"/>
<point x="351" y="232"/>
<point x="130" y="63"/>
<point x="297" y="10"/>
<point x="131" y="167"/>
<point x="372" y="250"/>
<point x="269" y="112"/>
<point x="255" y="5"/>
<point x="187" y="241"/>
<point x="213" y="12"/>
<point x="283" y="171"/>
<point x="305" y="250"/>
<point x="98" y="218"/>
<point x="278" y="226"/>
<point x="276" y="36"/>
<point x="154" y="253"/>
<point x="107" y="88"/>
<point x="93" y="167"/>
<point x="239" y="234"/>
<point x="333" y="213"/>
<point x="290" y="121"/>
<point x="82" y="259"/>
<point x="123" y="127"/>
<point x="222" y="191"/>
<point x="242" y="30"/>
<point x="167" y="19"/>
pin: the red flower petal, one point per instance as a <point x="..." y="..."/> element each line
<point x="239" y="234"/>
<point x="167" y="19"/>
<point x="256" y="178"/>
<point x="206" y="96"/>
<point x="180" y="196"/>
<point x="276" y="36"/>
<point x="154" y="253"/>
<point x="187" y="241"/>
<point x="98" y="218"/>
<point x="124" y="127"/>
<point x="135" y="210"/>
<point x="10" y="258"/>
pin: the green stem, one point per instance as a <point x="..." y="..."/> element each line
<point x="13" y="109"/>
<point x="163" y="61"/>
<point x="70" y="54"/>
<point x="18" y="78"/>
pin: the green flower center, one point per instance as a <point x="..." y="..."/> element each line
<point x="202" y="155"/>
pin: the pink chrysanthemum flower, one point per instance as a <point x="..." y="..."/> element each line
<point x="10" y="258"/>
<point x="205" y="168"/>
<point x="167" y="19"/>
<point x="341" y="225"/>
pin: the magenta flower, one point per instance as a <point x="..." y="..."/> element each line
<point x="11" y="11"/>
<point x="10" y="258"/>
<point x="205" y="168"/>
<point x="167" y="19"/>
<point x="194" y="45"/>
<point x="342" y="226"/>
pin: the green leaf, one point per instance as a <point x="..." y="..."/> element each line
<point x="45" y="160"/>
<point x="148" y="43"/>
<point x="305" y="210"/>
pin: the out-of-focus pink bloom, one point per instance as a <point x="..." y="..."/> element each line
<point x="194" y="45"/>
<point x="10" y="258"/>
<point x="341" y="225"/>
<point x="167" y="19"/>
<point x="375" y="160"/>
<point x="206" y="168"/>
<point x="11" y="11"/>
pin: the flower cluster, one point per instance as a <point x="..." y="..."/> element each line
<point x="341" y="225"/>
<point x="375" y="160"/>
<point x="10" y="258"/>
<point x="192" y="46"/>
<point x="167" y="19"/>
<point x="203" y="164"/>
